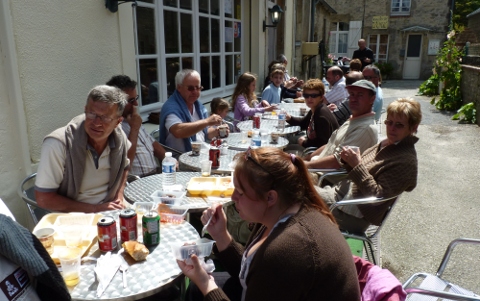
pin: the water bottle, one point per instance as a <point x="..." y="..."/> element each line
<point x="326" y="84"/>
<point x="168" y="172"/>
<point x="256" y="139"/>
<point x="281" y="121"/>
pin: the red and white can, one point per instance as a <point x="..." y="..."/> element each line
<point x="128" y="225"/>
<point x="214" y="156"/>
<point x="256" y="121"/>
<point x="107" y="234"/>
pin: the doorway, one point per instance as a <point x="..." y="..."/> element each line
<point x="413" y="57"/>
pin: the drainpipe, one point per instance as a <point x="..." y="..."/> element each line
<point x="312" y="30"/>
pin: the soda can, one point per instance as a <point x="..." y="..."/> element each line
<point x="214" y="156"/>
<point x="256" y="121"/>
<point x="128" y="225"/>
<point x="107" y="234"/>
<point x="151" y="228"/>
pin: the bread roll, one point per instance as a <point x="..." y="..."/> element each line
<point x="135" y="249"/>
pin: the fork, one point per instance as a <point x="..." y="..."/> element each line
<point x="208" y="223"/>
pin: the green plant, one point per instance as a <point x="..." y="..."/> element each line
<point x="430" y="86"/>
<point x="385" y="68"/>
<point x="467" y="113"/>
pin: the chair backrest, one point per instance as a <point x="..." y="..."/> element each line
<point x="156" y="135"/>
<point x="27" y="193"/>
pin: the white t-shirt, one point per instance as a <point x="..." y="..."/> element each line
<point x="177" y="143"/>
<point x="15" y="284"/>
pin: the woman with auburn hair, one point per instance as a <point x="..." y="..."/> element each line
<point x="384" y="170"/>
<point x="295" y="251"/>
<point x="244" y="100"/>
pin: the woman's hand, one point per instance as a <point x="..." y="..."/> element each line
<point x="218" y="226"/>
<point x="350" y="156"/>
<point x="198" y="275"/>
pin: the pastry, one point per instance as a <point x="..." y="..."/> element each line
<point x="136" y="250"/>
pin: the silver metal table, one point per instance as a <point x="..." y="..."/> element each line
<point x="269" y="125"/>
<point x="189" y="162"/>
<point x="293" y="109"/>
<point x="235" y="142"/>
<point x="145" y="278"/>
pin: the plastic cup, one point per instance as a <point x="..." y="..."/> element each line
<point x="264" y="136"/>
<point x="206" y="167"/>
<point x="196" y="147"/>
<point x="355" y="149"/>
<point x="46" y="237"/>
<point x="73" y="235"/>
<point x="274" y="137"/>
<point x="70" y="260"/>
<point x="303" y="111"/>
<point x="222" y="131"/>
<point x="244" y="136"/>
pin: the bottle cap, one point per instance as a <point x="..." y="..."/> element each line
<point x="168" y="154"/>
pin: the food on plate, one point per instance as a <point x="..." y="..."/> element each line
<point x="162" y="208"/>
<point x="136" y="250"/>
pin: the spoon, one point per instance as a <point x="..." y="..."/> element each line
<point x="208" y="223"/>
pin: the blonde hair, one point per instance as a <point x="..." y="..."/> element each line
<point x="408" y="107"/>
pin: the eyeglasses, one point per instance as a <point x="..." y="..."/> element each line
<point x="306" y="95"/>
<point x="397" y="125"/>
<point x="370" y="77"/>
<point x="133" y="99"/>
<point x="248" y="155"/>
<point x="103" y="118"/>
<point x="193" y="88"/>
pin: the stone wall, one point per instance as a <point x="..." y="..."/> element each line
<point x="469" y="86"/>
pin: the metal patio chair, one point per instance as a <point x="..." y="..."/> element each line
<point x="175" y="152"/>
<point x="27" y="193"/>
<point x="435" y="287"/>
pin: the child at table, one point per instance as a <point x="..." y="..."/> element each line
<point x="272" y="93"/>
<point x="244" y="100"/>
<point x="221" y="107"/>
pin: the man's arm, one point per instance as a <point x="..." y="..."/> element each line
<point x="325" y="162"/>
<point x="188" y="129"/>
<point x="135" y="122"/>
<point x="158" y="151"/>
<point x="56" y="202"/>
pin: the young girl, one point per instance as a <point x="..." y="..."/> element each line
<point x="221" y="107"/>
<point x="244" y="98"/>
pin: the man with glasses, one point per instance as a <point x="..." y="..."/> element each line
<point x="144" y="148"/>
<point x="183" y="117"/>
<point x="338" y="91"/>
<point x="360" y="130"/>
<point x="83" y="166"/>
<point x="372" y="73"/>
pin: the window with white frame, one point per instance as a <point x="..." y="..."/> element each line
<point x="204" y="35"/>
<point x="338" y="40"/>
<point x="400" y="8"/>
<point x="379" y="45"/>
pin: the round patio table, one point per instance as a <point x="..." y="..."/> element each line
<point x="144" y="278"/>
<point x="189" y="162"/>
<point x="270" y="125"/>
<point x="236" y="142"/>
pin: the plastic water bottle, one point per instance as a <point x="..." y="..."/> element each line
<point x="326" y="84"/>
<point x="281" y="121"/>
<point x="256" y="139"/>
<point x="168" y="172"/>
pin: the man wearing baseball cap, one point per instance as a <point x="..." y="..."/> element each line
<point x="359" y="130"/>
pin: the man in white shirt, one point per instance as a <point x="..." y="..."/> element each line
<point x="183" y="118"/>
<point x="338" y="91"/>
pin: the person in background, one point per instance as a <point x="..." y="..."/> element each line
<point x="372" y="73"/>
<point x="319" y="122"/>
<point x="84" y="165"/>
<point x="295" y="251"/>
<point x="144" y="148"/>
<point x="184" y="118"/>
<point x="221" y="107"/>
<point x="283" y="60"/>
<point x="363" y="53"/>
<point x="244" y="100"/>
<point x="342" y="111"/>
<point x="272" y="93"/>
<point x="338" y="90"/>
<point x="355" y="65"/>
<point x="384" y="170"/>
<point x="359" y="130"/>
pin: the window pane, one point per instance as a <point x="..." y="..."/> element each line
<point x="173" y="66"/>
<point x="146" y="31"/>
<point x="238" y="66"/>
<point x="333" y="43"/>
<point x="342" y="42"/>
<point x="216" y="80"/>
<point x="214" y="7"/>
<point x="237" y="9"/>
<point x="204" y="35"/>
<point x="187" y="63"/>
<point x="229" y="69"/>
<point x="395" y="5"/>
<point x="203" y="6"/>
<point x="205" y="72"/>
<point x="172" y="3"/>
<point x="187" y="35"/>
<point x="237" y="31"/>
<point x="405" y="5"/>
<point x="148" y="79"/>
<point x="215" y="35"/>
<point x="171" y="32"/>
<point x="186" y="4"/>
<point x="384" y="38"/>
<point x="228" y="36"/>
<point x="342" y="26"/>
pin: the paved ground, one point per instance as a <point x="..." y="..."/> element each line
<point x="445" y="205"/>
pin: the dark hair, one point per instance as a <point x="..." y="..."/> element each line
<point x="270" y="168"/>
<point x="122" y="82"/>
<point x="218" y="104"/>
<point x="314" y="84"/>
<point x="355" y="65"/>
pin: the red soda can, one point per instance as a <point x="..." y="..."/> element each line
<point x="256" y="121"/>
<point x="214" y="156"/>
<point x="128" y="225"/>
<point x="107" y="234"/>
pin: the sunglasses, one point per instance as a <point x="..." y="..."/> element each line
<point x="193" y="88"/>
<point x="248" y="155"/>
<point x="397" y="125"/>
<point x="306" y="95"/>
<point x="133" y="99"/>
